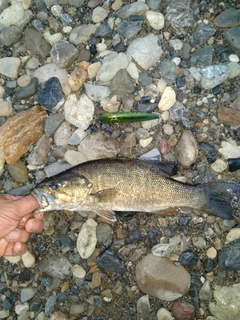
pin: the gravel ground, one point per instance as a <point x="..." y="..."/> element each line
<point x="78" y="59"/>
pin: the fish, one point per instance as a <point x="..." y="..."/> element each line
<point x="109" y="185"/>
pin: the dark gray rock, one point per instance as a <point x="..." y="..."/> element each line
<point x="202" y="57"/>
<point x="228" y="18"/>
<point x="122" y="83"/>
<point x="52" y="123"/>
<point x="154" y="4"/>
<point x="49" y="306"/>
<point x="109" y="261"/>
<point x="229" y="256"/>
<point x="167" y="70"/>
<point x="129" y="29"/>
<point x="188" y="258"/>
<point x="64" y="53"/>
<point x="10" y="35"/>
<point x="144" y="79"/>
<point x="211" y="152"/>
<point x="202" y="33"/>
<point x="36" y="44"/>
<point x="103" y="31"/>
<point x="29" y="90"/>
<point x="232" y="37"/>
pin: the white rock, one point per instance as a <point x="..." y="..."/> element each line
<point x="52" y="38"/>
<point x="9" y="67"/>
<point x="101" y="47"/>
<point x="82" y="33"/>
<point x="20" y="308"/>
<point x="74" y="157"/>
<point x="153" y="154"/>
<point x="145" y="51"/>
<point x="5" y="108"/>
<point x="195" y="73"/>
<point x="230" y="149"/>
<point x="96" y="93"/>
<point x="78" y="271"/>
<point x="28" y="259"/>
<point x="176" y="44"/>
<point x="145" y="142"/>
<point x="214" y="75"/>
<point x="77" y="137"/>
<point x="13" y="260"/>
<point x="164" y="314"/>
<point x="168" y="129"/>
<point x="79" y="112"/>
<point x="233" y="58"/>
<point x="212" y="253"/>
<point x="133" y="71"/>
<point x="187" y="149"/>
<point x="12" y="15"/>
<point x="167" y="100"/>
<point x="56" y="10"/>
<point x="99" y="14"/>
<point x="232" y="235"/>
<point x="219" y="166"/>
<point x="161" y="85"/>
<point x="151" y="123"/>
<point x="155" y="19"/>
<point x="87" y="239"/>
<point x="93" y="69"/>
<point x="234" y="69"/>
<point x="176" y="60"/>
<point x="62" y="134"/>
<point x="109" y="68"/>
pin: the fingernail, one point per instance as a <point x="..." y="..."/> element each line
<point x="34" y="225"/>
<point x="13" y="235"/>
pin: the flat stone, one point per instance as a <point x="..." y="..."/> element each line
<point x="10" y="35"/>
<point x="64" y="53"/>
<point x="187" y="149"/>
<point x="5" y="108"/>
<point x="228" y="116"/>
<point x="53" y="121"/>
<point x="155" y="19"/>
<point x="233" y="235"/>
<point x="232" y="37"/>
<point x="9" y="67"/>
<point x="219" y="166"/>
<point x="109" y="261"/>
<point x="87" y="240"/>
<point x="18" y="171"/>
<point x="214" y="75"/>
<point x="58" y="267"/>
<point x="97" y="93"/>
<point x="82" y="33"/>
<point x="36" y="43"/>
<point x="39" y="155"/>
<point x="99" y="14"/>
<point x="136" y="8"/>
<point x="27" y="293"/>
<point x="164" y="314"/>
<point x="29" y="90"/>
<point x="122" y="83"/>
<point x="77" y="79"/>
<point x="20" y="132"/>
<point x="12" y="15"/>
<point x="228" y="18"/>
<point x="161" y="278"/>
<point x="28" y="259"/>
<point x="167" y="100"/>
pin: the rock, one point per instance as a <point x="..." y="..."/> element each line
<point x="97" y="93"/>
<point x="201" y="35"/>
<point x="5" y="108"/>
<point x="188" y="258"/>
<point x="122" y="83"/>
<point x="93" y="69"/>
<point x="39" y="155"/>
<point x="229" y="256"/>
<point x="232" y="37"/>
<point x="36" y="44"/>
<point x="99" y="14"/>
<point x="205" y="293"/>
<point x="79" y="112"/>
<point x="167" y="70"/>
<point x="27" y="293"/>
<point x="229" y="149"/>
<point x="226" y="302"/>
<point x="155" y="19"/>
<point x="50" y="94"/>
<point x="18" y="171"/>
<point x="214" y="75"/>
<point x="28" y="259"/>
<point x="211" y="153"/>
<point x="187" y="149"/>
<point x="180" y="14"/>
<point x="62" y="134"/>
<point x="109" y="261"/>
<point x="29" y="90"/>
<point x="78" y="271"/>
<point x="58" y="316"/>
<point x="12" y="15"/>
<point x="148" y="57"/>
<point x="20" y="132"/>
<point x="167" y="100"/>
<point x="129" y="29"/>
<point x="10" y="35"/>
<point x="195" y="73"/>
<point x="76" y="309"/>
<point x="63" y="53"/>
<point x="111" y="66"/>
<point x="228" y="116"/>
<point x="202" y="57"/>
<point x="126" y="149"/>
<point x="49" y="306"/>
<point x="159" y="277"/>
<point x="183" y="310"/>
<point x="234" y="70"/>
<point x="164" y="314"/>
<point x="77" y="137"/>
<point x="143" y="308"/>
<point x="9" y="67"/>
<point x="58" y="267"/>
<point x="77" y="79"/>
<point x="136" y="8"/>
<point x="228" y="18"/>
<point x="219" y="166"/>
<point x="87" y="239"/>
<point x="233" y="235"/>
<point x="82" y="33"/>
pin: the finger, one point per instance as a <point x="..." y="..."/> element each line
<point x="23" y="221"/>
<point x="34" y="225"/>
<point x="15" y="249"/>
<point x="3" y="246"/>
<point x="18" y="235"/>
<point x="25" y="205"/>
<point x="38" y="215"/>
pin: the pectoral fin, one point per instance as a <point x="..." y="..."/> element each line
<point x="105" y="195"/>
<point x="106" y="214"/>
<point x="170" y="211"/>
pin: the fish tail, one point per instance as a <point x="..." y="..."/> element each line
<point x="219" y="198"/>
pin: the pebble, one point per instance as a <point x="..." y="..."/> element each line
<point x="199" y="242"/>
<point x="78" y="271"/>
<point x="12" y="15"/>
<point x="232" y="38"/>
<point x="143" y="307"/>
<point x="214" y="75"/>
<point x="228" y="116"/>
<point x="36" y="44"/>
<point x="82" y="33"/>
<point x="136" y="8"/>
<point x="145" y="142"/>
<point x="233" y="235"/>
<point x="187" y="149"/>
<point x="87" y="239"/>
<point x="99" y="14"/>
<point x="182" y="310"/>
<point x="205" y="293"/>
<point x="155" y="19"/>
<point x="97" y="93"/>
<point x="188" y="258"/>
<point x="9" y="67"/>
<point x="63" y="53"/>
<point x="180" y="15"/>
<point x="122" y="83"/>
<point x="234" y="70"/>
<point x="58" y="267"/>
<point x="229" y="256"/>
<point x="219" y="166"/>
<point x="27" y="293"/>
<point x="228" y="18"/>
<point x="164" y="314"/>
<point x="10" y="35"/>
<point x="79" y="112"/>
<point x="50" y="94"/>
<point x="168" y="99"/>
<point x="5" y="108"/>
<point x="39" y="155"/>
<point x="29" y="90"/>
<point x="211" y="153"/>
<point x="159" y="277"/>
<point x="63" y="134"/>
<point x="109" y="261"/>
<point x="52" y="122"/>
<point x="229" y="149"/>
<point x="49" y="306"/>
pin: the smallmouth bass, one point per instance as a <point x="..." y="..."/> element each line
<point x="109" y="185"/>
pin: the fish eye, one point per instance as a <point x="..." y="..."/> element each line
<point x="54" y="185"/>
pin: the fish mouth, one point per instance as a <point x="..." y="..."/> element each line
<point x="45" y="200"/>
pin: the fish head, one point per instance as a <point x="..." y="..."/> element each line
<point x="64" y="192"/>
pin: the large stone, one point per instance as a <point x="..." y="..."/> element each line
<point x="187" y="148"/>
<point x="19" y="132"/>
<point x="161" y="278"/>
<point x="9" y="67"/>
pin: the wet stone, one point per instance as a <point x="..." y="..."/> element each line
<point x="10" y="35"/>
<point x="50" y="94"/>
<point x="29" y="90"/>
<point x="188" y="258"/>
<point x="109" y="261"/>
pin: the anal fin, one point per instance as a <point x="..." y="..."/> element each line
<point x="106" y="214"/>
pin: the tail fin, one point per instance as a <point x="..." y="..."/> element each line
<point x="220" y="197"/>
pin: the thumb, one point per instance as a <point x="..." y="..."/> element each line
<point x="25" y="205"/>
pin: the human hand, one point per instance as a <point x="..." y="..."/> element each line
<point x="17" y="222"/>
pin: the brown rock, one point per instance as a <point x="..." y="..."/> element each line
<point x="128" y="145"/>
<point x="18" y="171"/>
<point x="19" y="132"/>
<point x="228" y="116"/>
<point x="161" y="278"/>
<point x="163" y="146"/>
<point x="39" y="155"/>
<point x="187" y="148"/>
<point x="182" y="310"/>
<point x="77" y="79"/>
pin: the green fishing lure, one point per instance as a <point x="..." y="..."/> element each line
<point x="118" y="117"/>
